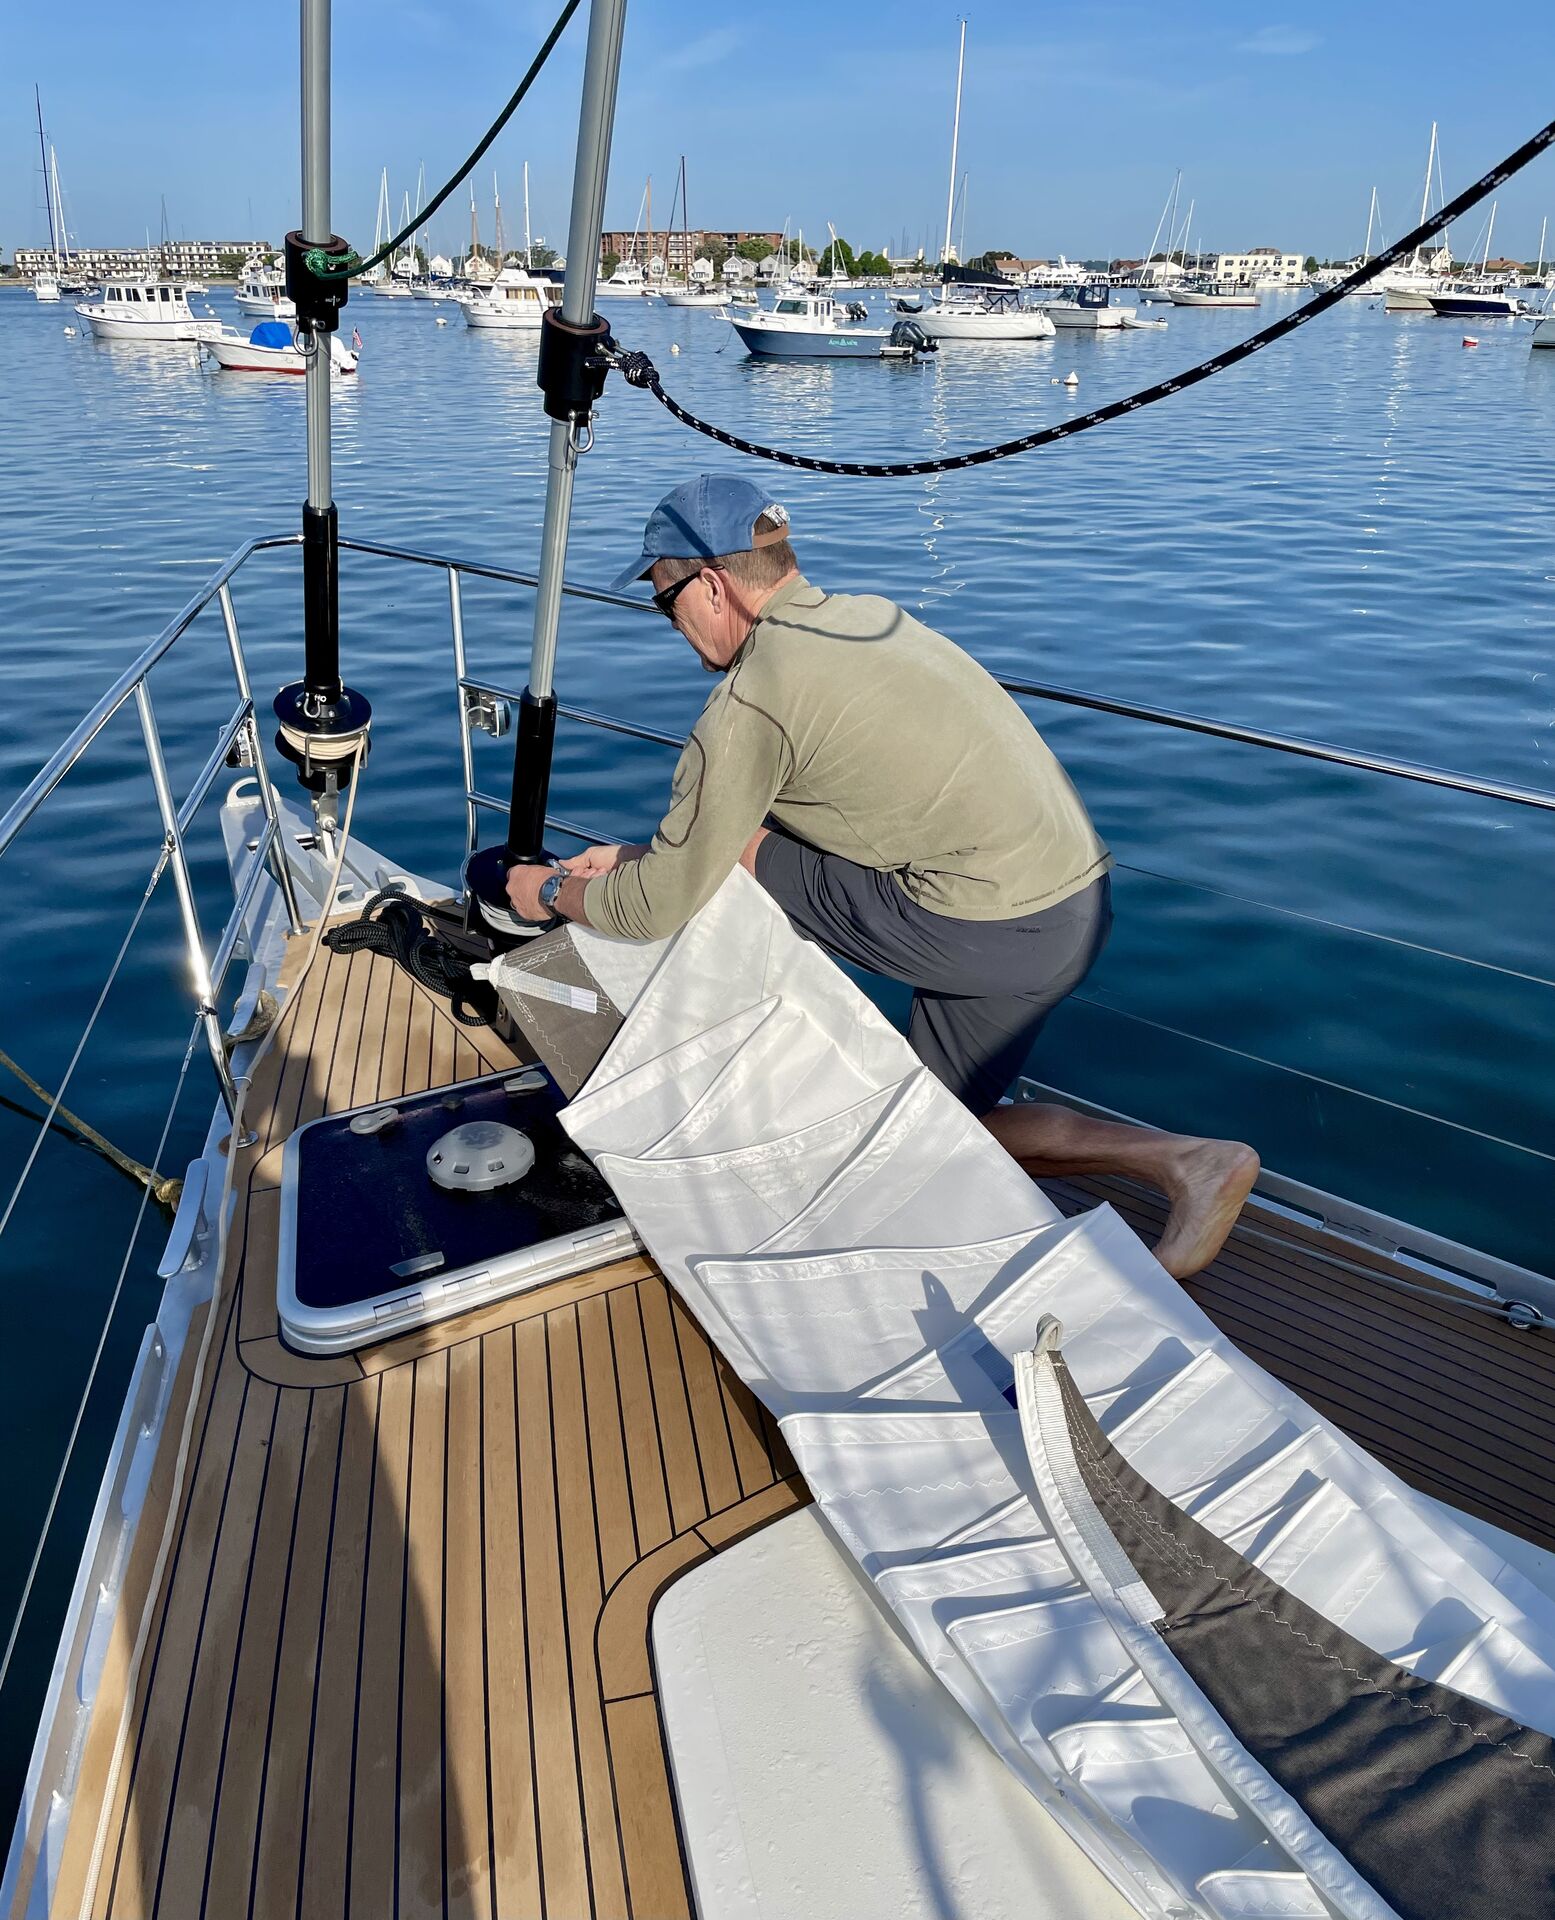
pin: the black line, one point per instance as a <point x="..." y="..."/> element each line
<point x="361" y="1648"/>
<point x="199" y="1641"/>
<point x="237" y="1661"/>
<point x="318" y="1671"/>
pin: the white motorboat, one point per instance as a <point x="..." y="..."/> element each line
<point x="1477" y="300"/>
<point x="45" y="287"/>
<point x="984" y="310"/>
<point x="1088" y="310"/>
<point x="513" y="303"/>
<point x="625" y="283"/>
<point x="1214" y="293"/>
<point x="271" y="348"/>
<point x="812" y="326"/>
<point x="1544" y="332"/>
<point x="156" y="310"/>
<point x="693" y="296"/>
<point x="262" y="290"/>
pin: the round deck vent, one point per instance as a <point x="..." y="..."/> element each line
<point x="479" y="1156"/>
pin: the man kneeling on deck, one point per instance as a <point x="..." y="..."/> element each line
<point x="919" y="827"/>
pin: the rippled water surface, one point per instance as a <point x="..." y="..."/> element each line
<point x="1348" y="538"/>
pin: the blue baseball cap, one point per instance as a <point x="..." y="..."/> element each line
<point x="711" y="515"/>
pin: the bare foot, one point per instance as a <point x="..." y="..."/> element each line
<point x="1208" y="1182"/>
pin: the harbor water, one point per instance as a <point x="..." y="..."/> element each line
<point x="1347" y="538"/>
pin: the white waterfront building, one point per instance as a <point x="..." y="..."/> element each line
<point x="176" y="260"/>
<point x="1260" y="267"/>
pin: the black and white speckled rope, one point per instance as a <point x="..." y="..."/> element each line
<point x="639" y="371"/>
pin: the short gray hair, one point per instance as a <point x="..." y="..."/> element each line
<point x="759" y="567"/>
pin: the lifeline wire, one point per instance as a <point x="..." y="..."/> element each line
<point x="330" y="266"/>
<point x="639" y="371"/>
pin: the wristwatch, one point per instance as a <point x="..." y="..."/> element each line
<point x="549" y="888"/>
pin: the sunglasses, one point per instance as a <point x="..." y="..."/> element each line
<point x="665" y="601"/>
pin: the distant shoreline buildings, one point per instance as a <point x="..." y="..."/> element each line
<point x="180" y="259"/>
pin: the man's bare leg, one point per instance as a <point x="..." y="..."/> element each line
<point x="1205" y="1181"/>
<point x="748" y="857"/>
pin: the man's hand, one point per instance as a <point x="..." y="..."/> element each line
<point x="596" y="860"/>
<point x="524" y="882"/>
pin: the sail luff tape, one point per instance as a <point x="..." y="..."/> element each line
<point x="530" y="986"/>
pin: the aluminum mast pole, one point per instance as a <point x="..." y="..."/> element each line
<point x="322" y="721"/>
<point x="316" y="233"/>
<point x="955" y="142"/>
<point x="569" y="437"/>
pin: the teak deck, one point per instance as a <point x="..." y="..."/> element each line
<point x="398" y="1661"/>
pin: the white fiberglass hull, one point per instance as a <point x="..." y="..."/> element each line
<point x="243" y="356"/>
<point x="494" y="318"/>
<point x="1074" y="319"/>
<point x="276" y="308"/>
<point x="111" y="327"/>
<point x="1544" y="333"/>
<point x="46" y="290"/>
<point x="1215" y="300"/>
<point x="1029" y="324"/>
<point x="681" y="299"/>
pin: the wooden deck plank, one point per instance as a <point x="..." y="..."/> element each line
<point x="139" y="1815"/>
<point x="465" y="1718"/>
<point x="563" y="1851"/>
<point x="322" y="1869"/>
<point x="224" y="1863"/>
<point x="257" y="1226"/>
<point x="688" y="1496"/>
<point x="709" y="1419"/>
<point x="649" y="1834"/>
<point x="313" y="1095"/>
<point x="288" y="1735"/>
<point x="396" y="1034"/>
<point x="607" y="1450"/>
<point x="420" y="1882"/>
<point x="650" y="1492"/>
<point x="515" y="1863"/>
<point x="745" y="1429"/>
<point x="581" y="1584"/>
<point x="373" y="1787"/>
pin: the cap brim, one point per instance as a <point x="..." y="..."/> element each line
<point x="638" y="570"/>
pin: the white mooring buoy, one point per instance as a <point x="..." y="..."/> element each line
<point x="442" y="323"/>
<point x="675" y="347"/>
<point x="70" y="333"/>
<point x="1071" y="379"/>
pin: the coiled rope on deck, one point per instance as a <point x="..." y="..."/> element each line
<point x="639" y="371"/>
<point x="393" y="924"/>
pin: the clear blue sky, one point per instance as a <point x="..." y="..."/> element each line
<point x="1073" y="122"/>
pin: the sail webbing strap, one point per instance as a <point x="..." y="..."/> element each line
<point x="639" y="371"/>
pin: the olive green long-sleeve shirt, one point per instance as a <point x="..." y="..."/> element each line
<point x="867" y="734"/>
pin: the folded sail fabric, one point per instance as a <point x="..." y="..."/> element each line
<point x="877" y="1269"/>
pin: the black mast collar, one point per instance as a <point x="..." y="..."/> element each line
<point x="318" y="296"/>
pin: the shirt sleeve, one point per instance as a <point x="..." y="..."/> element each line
<point x="737" y="760"/>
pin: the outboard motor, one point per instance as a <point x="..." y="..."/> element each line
<point x="857" y="310"/>
<point x="907" y="333"/>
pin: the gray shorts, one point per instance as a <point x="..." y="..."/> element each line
<point x="981" y="988"/>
